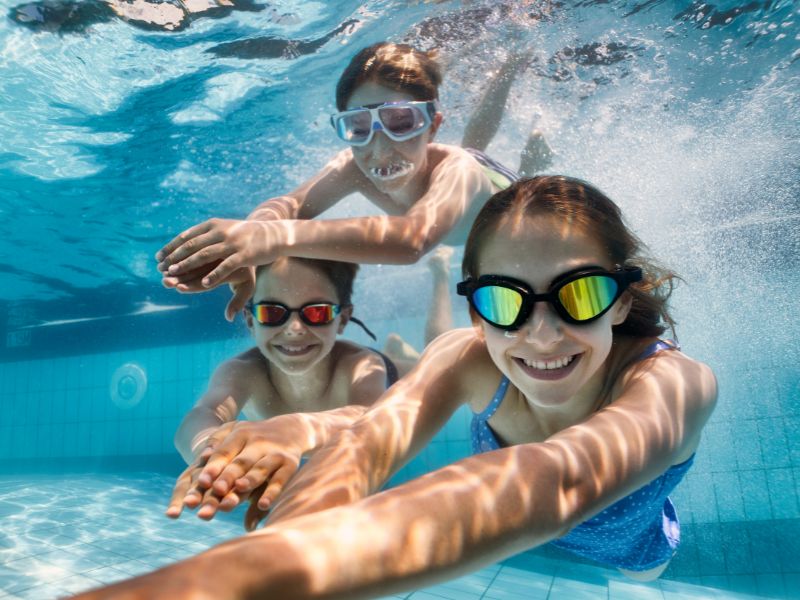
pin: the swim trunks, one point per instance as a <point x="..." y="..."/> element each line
<point x="501" y="176"/>
<point x="638" y="532"/>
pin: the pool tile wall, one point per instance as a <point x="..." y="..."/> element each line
<point x="739" y="505"/>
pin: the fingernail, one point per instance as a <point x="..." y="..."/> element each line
<point x="206" y="281"/>
<point x="172" y="269"/>
<point x="159" y="255"/>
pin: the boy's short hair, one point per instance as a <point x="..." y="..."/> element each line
<point x="340" y="274"/>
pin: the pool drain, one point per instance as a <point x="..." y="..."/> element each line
<point x="128" y="385"/>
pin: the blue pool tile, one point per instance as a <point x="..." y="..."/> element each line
<point x="792" y="428"/>
<point x="747" y="447"/>
<point x="763" y="542"/>
<point x="771" y="585"/>
<point x="711" y="559"/>
<point x="789" y="391"/>
<point x="629" y="590"/>
<point x="730" y="504"/>
<point x="755" y="495"/>
<point x="788" y="546"/>
<point x="782" y="492"/>
<point x="774" y="446"/>
<point x="791" y="583"/>
<point x="704" y="502"/>
<point x="743" y="584"/>
<point x="576" y="590"/>
<point x="736" y="546"/>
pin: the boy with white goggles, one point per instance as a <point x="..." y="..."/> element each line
<point x="400" y="121"/>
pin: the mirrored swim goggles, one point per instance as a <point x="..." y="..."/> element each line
<point x="275" y="314"/>
<point x="578" y="297"/>
<point x="400" y="121"/>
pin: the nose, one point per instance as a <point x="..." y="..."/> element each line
<point x="295" y="326"/>
<point x="544" y="328"/>
<point x="380" y="143"/>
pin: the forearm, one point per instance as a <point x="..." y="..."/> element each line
<point x="314" y="430"/>
<point x="368" y="240"/>
<point x="193" y="431"/>
<point x="430" y="530"/>
<point x="281" y="207"/>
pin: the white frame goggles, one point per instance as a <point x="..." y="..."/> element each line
<point x="381" y="119"/>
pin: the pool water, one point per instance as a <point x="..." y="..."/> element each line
<point x="115" y="138"/>
<point x="76" y="532"/>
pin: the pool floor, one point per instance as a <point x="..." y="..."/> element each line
<point x="64" y="534"/>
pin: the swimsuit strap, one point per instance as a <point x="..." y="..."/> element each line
<point x="658" y="346"/>
<point x="489" y="411"/>
<point x="392" y="374"/>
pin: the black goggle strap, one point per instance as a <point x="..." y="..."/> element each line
<point x="360" y="323"/>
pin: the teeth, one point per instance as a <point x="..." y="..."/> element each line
<point x="392" y="171"/>
<point x="294" y="349"/>
<point x="545" y="365"/>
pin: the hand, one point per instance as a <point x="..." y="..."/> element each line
<point x="207" y="254"/>
<point x="253" y="460"/>
<point x="241" y="281"/>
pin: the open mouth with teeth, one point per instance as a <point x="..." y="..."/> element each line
<point x="556" y="368"/>
<point x="293" y="350"/>
<point x="392" y="171"/>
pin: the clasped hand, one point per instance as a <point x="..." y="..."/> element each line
<point x="240" y="461"/>
<point x="219" y="251"/>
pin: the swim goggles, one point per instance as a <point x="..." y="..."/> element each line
<point x="400" y="121"/>
<point x="578" y="297"/>
<point x="275" y="314"/>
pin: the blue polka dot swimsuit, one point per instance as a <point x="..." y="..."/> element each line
<point x="638" y="532"/>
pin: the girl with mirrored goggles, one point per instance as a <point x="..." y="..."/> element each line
<point x="400" y="121"/>
<point x="578" y="297"/>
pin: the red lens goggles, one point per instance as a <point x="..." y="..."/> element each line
<point x="273" y="314"/>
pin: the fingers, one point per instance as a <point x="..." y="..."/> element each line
<point x="200" y="259"/>
<point x="213" y="503"/>
<point x="165" y="254"/>
<point x="223" y="270"/>
<point x="242" y="292"/>
<point x="182" y="486"/>
<point x="191" y="278"/>
<point x="275" y="485"/>
<point x="253" y="516"/>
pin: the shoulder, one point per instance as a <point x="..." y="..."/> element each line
<point x="459" y="358"/>
<point x="245" y="363"/>
<point x="444" y="155"/>
<point x="679" y="388"/>
<point x="348" y="355"/>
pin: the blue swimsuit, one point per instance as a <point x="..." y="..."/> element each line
<point x="638" y="532"/>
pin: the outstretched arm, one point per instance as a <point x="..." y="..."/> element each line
<point x="227" y="393"/>
<point x="467" y="515"/>
<point x="230" y="245"/>
<point x="255" y="459"/>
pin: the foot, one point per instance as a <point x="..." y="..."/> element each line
<point x="398" y="349"/>
<point x="439" y="262"/>
<point x="536" y="156"/>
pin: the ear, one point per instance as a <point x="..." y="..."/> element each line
<point x="248" y="318"/>
<point x="344" y="318"/>
<point x="621" y="309"/>
<point x="437" y="121"/>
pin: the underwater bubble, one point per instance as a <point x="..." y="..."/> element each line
<point x="128" y="385"/>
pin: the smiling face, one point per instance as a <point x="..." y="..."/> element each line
<point x="295" y="347"/>
<point x="550" y="361"/>
<point x="390" y="165"/>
